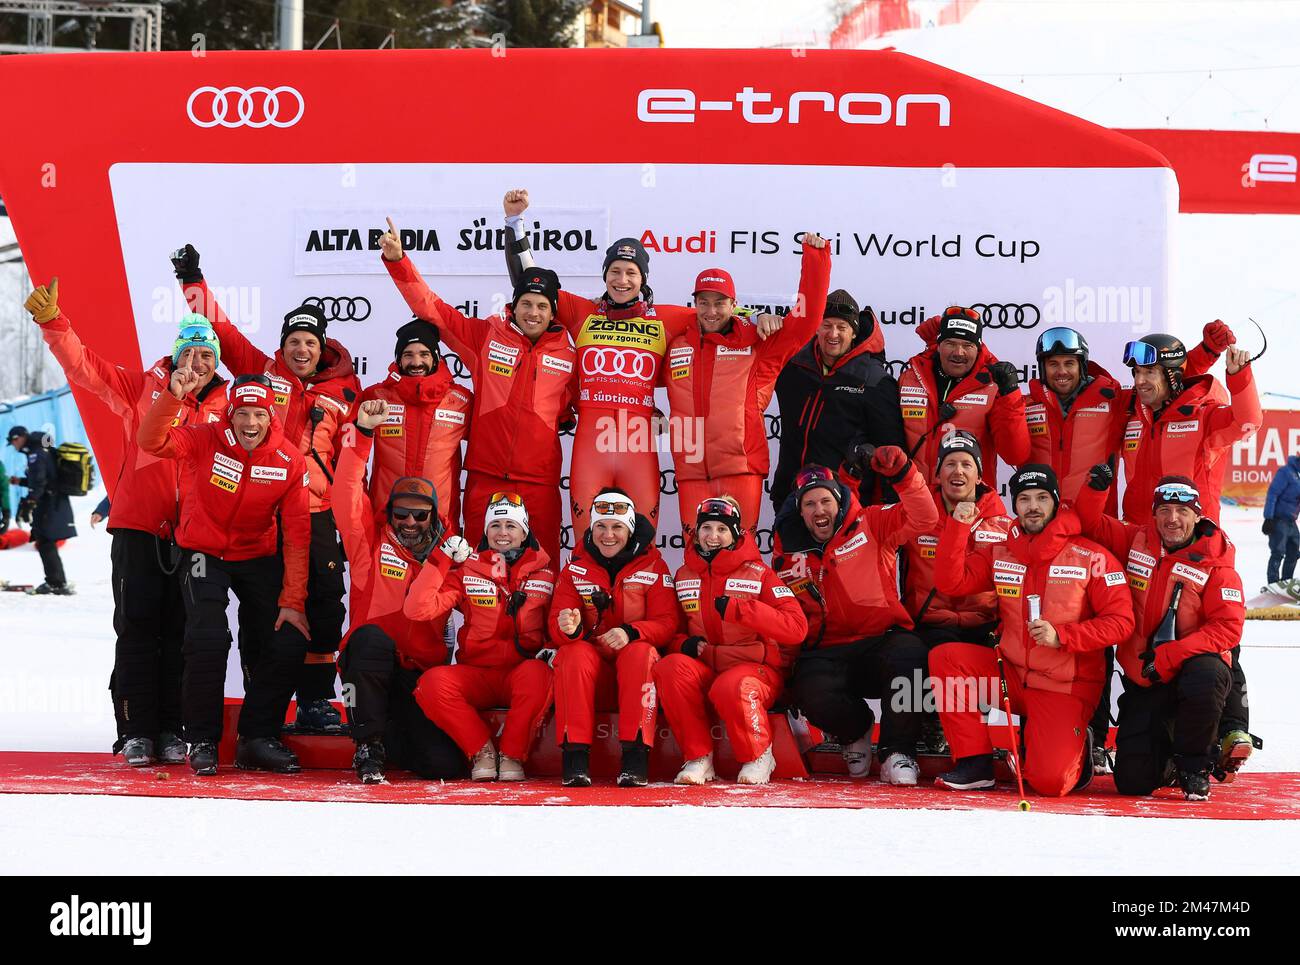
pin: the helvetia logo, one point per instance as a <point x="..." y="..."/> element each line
<point x="680" y="105"/>
<point x="75" y="918"/>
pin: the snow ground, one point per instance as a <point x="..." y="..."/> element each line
<point x="56" y="654"/>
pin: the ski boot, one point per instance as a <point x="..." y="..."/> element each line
<point x="857" y="755"/>
<point x="635" y="771"/>
<point x="265" y="754"/>
<point x="576" y="764"/>
<point x="932" y="739"/>
<point x="1195" y="785"/>
<point x="169" y="748"/>
<point x="317" y="717"/>
<point x="899" y="768"/>
<point x="368" y="761"/>
<point x="1234" y="750"/>
<point x="203" y="758"/>
<point x="47" y="589"/>
<point x="138" y="751"/>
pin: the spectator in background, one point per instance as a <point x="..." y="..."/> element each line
<point x="1281" y="507"/>
<point x="46" y="510"/>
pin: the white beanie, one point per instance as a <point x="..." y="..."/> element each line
<point x="628" y="519"/>
<point x="504" y="509"/>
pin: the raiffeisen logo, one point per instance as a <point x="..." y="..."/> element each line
<point x="678" y="105"/>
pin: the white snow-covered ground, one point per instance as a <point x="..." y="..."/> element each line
<point x="55" y="658"/>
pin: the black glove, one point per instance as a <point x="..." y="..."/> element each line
<point x="857" y="462"/>
<point x="1101" y="477"/>
<point x="186" y="263"/>
<point x="25" y="509"/>
<point x="1006" y="377"/>
<point x="516" y="603"/>
<point x="600" y="600"/>
<point x="547" y="656"/>
<point x="1268" y="526"/>
<point x="720" y="604"/>
<point x="691" y="647"/>
<point x="1149" y="667"/>
<point x="4" y="521"/>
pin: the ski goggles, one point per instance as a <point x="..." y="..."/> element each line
<point x="1061" y="341"/>
<point x="1176" y="493"/>
<point x="1140" y="353"/>
<point x="606" y="507"/>
<point x="514" y="499"/>
<point x="956" y="311"/>
<point x="419" y="515"/>
<point x="812" y="474"/>
<point x="717" y="507"/>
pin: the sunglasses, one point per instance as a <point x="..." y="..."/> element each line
<point x="419" y="515"/>
<point x="607" y="508"/>
<point x="1056" y="340"/>
<point x="514" y="499"/>
<point x="811" y="475"/>
<point x="1176" y="493"/>
<point x="717" y="507"/>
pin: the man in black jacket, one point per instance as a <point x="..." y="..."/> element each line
<point x="44" y="508"/>
<point x="835" y="395"/>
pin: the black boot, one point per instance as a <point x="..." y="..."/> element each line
<point x="138" y="751"/>
<point x="317" y="717"/>
<point x="1088" y="763"/>
<point x="974" y="773"/>
<point x="1195" y="785"/>
<point x="635" y="771"/>
<point x="265" y="754"/>
<point x="203" y="758"/>
<point x="369" y="762"/>
<point x="170" y="748"/>
<point x="576" y="765"/>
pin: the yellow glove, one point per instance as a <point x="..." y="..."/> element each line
<point x="44" y="302"/>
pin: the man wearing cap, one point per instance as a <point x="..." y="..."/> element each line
<point x="502" y="591"/>
<point x="1181" y="424"/>
<point x="148" y="612"/>
<point x="1061" y="600"/>
<point x="1175" y="721"/>
<point x="521" y="363"/>
<point x="841" y="562"/>
<point x="384" y="654"/>
<point x="621" y="343"/>
<point x="316" y="388"/>
<point x="245" y="491"/>
<point x="720" y="378"/>
<point x="960" y="384"/>
<point x="836" y="399"/>
<point x="427" y="416"/>
<point x="46" y="510"/>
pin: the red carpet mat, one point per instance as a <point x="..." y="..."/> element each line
<point x="1250" y="797"/>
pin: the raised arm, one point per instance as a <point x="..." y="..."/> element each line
<point x="1232" y="423"/>
<point x="238" y="354"/>
<point x="915" y="512"/>
<point x="157" y="434"/>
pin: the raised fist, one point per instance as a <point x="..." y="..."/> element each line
<point x="185" y="262"/>
<point x="890" y="462"/>
<point x="372" y="413"/>
<point x="928" y="330"/>
<point x="456" y="548"/>
<point x="515" y="202"/>
<point x="1217" y="336"/>
<point x="569" y="621"/>
<point x="1005" y="376"/>
<point x="43" y="303"/>
<point x="390" y="242"/>
<point x="813" y="240"/>
<point x="1101" y="476"/>
<point x="964" y="512"/>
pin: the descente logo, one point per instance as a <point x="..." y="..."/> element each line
<point x="74" y="918"/>
<point x="679" y="105"/>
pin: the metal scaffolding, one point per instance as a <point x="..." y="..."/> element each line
<point x="146" y="22"/>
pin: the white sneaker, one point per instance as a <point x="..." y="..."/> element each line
<point x="758" y="771"/>
<point x="698" y="771"/>
<point x="858" y="756"/>
<point x="484" y="765"/>
<point x="899" y="768"/>
<point x="510" y="769"/>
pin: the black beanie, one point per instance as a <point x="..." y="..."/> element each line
<point x="628" y="249"/>
<point x="417" y="330"/>
<point x="540" y="281"/>
<point x="1035" y="475"/>
<point x="959" y="440"/>
<point x="958" y="322"/>
<point x="840" y="304"/>
<point x="305" y="318"/>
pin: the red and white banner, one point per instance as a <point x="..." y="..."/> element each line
<point x="280" y="167"/>
<point x="1255" y="460"/>
<point x="1231" y="172"/>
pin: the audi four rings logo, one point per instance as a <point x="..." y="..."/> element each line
<point x="763" y="539"/>
<point x="245" y="107"/>
<point x="347" y="308"/>
<point x="625" y="362"/>
<point x="773" y="425"/>
<point x="453" y="362"/>
<point x="667" y="481"/>
<point x="994" y="315"/>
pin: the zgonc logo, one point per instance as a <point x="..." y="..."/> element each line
<point x="679" y="105"/>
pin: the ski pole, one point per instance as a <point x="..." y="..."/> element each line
<point x="1006" y="709"/>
